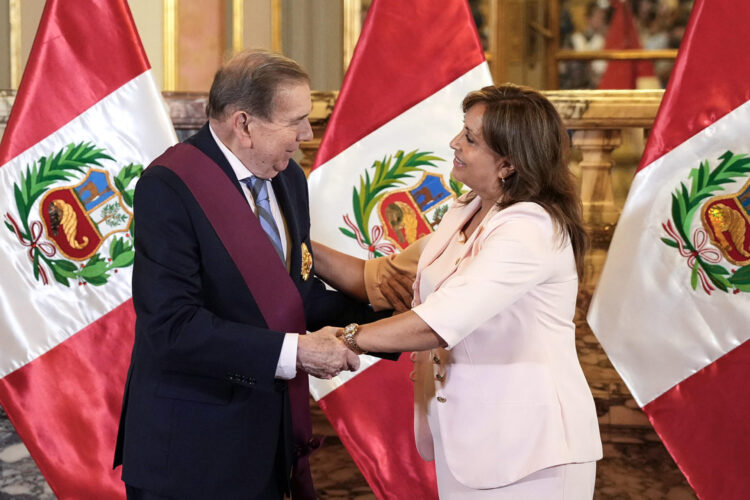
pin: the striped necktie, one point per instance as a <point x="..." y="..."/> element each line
<point x="259" y="190"/>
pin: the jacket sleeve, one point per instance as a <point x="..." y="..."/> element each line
<point x="377" y="270"/>
<point x="177" y="328"/>
<point x="513" y="257"/>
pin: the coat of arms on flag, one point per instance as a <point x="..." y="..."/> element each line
<point x="74" y="232"/>
<point x="725" y="224"/>
<point x="405" y="215"/>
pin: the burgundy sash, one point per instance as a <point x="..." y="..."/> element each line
<point x="265" y="275"/>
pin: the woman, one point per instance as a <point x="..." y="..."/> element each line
<point x="501" y="403"/>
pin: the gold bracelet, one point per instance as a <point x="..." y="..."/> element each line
<point x="350" y="331"/>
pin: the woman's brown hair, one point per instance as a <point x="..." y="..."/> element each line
<point x="522" y="126"/>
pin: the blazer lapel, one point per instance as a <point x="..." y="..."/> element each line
<point x="453" y="221"/>
<point x="283" y="195"/>
<point x="479" y="230"/>
<point x="449" y="226"/>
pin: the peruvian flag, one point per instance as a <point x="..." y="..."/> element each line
<point x="672" y="309"/>
<point x="87" y="119"/>
<point x="380" y="181"/>
<point x="623" y="34"/>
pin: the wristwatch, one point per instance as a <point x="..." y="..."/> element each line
<point x="348" y="337"/>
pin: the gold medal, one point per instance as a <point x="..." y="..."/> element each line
<point x="307" y="262"/>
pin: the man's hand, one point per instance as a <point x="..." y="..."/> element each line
<point x="322" y="355"/>
<point x="396" y="287"/>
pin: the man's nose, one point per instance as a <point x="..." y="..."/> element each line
<point x="306" y="134"/>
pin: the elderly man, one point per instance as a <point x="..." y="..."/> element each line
<point x="216" y="402"/>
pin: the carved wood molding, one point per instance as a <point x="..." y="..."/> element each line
<point x="579" y="109"/>
<point x="608" y="109"/>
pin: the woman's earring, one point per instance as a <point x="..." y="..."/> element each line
<point x="502" y="180"/>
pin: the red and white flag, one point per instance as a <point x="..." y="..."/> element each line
<point x="382" y="180"/>
<point x="86" y="120"/>
<point x="623" y="34"/>
<point x="672" y="309"/>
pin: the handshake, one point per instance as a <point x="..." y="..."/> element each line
<point x="323" y="355"/>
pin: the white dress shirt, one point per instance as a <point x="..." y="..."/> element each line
<point x="287" y="366"/>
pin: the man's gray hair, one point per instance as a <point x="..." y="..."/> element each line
<point x="249" y="81"/>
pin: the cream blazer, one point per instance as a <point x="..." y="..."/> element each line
<point x="513" y="398"/>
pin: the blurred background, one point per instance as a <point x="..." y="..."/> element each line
<point x="548" y="44"/>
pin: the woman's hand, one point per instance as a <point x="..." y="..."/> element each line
<point x="397" y="288"/>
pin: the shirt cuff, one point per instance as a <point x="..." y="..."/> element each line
<point x="287" y="367"/>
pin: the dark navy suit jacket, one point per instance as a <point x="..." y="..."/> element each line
<point x="203" y="416"/>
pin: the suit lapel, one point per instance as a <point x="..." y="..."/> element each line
<point x="204" y="141"/>
<point x="283" y="193"/>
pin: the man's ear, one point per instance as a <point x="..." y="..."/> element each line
<point x="241" y="123"/>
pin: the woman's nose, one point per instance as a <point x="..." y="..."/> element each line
<point x="454" y="142"/>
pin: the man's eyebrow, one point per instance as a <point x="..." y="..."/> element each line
<point x="300" y="117"/>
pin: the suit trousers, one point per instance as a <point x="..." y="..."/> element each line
<point x="273" y="490"/>
<point x="270" y="492"/>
